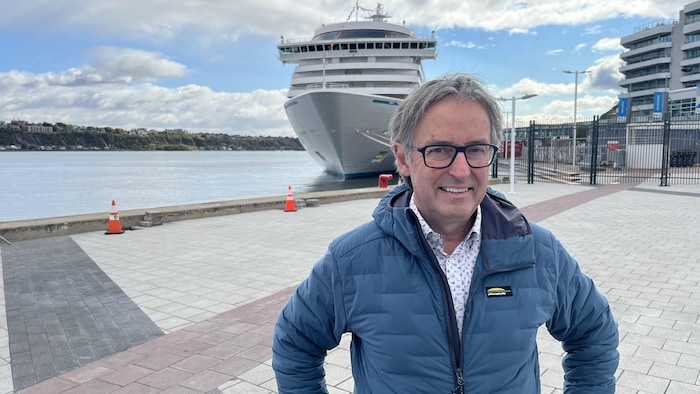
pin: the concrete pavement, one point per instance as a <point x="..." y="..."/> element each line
<point x="204" y="294"/>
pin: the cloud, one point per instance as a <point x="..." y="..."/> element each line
<point x="578" y="47"/>
<point x="521" y="31"/>
<point x="79" y="96"/>
<point x="118" y="84"/>
<point x="524" y="16"/>
<point x="110" y="65"/>
<point x="460" y="44"/>
<point x="593" y="30"/>
<point x="530" y="86"/>
<point x="597" y="91"/>
<point x="191" y="107"/>
<point x="604" y="75"/>
<point x="154" y="19"/>
<point x="125" y="64"/>
<point x="607" y="44"/>
<point x="586" y="106"/>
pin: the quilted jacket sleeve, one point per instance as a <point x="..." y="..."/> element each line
<point x="584" y="323"/>
<point x="311" y="323"/>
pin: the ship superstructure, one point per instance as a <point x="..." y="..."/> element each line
<point x="348" y="80"/>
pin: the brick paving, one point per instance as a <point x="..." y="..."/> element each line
<point x="63" y="312"/>
<point x="214" y="287"/>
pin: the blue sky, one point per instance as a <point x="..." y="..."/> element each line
<point x="212" y="66"/>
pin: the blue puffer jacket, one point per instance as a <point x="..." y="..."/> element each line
<point x="381" y="283"/>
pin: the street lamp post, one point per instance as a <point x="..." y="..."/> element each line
<point x="512" y="137"/>
<point x="573" y="162"/>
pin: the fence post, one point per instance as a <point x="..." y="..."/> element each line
<point x="666" y="150"/>
<point x="531" y="153"/>
<point x="593" y="174"/>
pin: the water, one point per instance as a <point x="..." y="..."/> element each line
<point x="37" y="185"/>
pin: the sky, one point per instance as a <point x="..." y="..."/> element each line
<point x="212" y="65"/>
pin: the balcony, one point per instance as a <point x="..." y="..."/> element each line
<point x="646" y="63"/>
<point x="690" y="45"/>
<point x="647" y="31"/>
<point x="645" y="78"/>
<point x="691" y="28"/>
<point x="690" y="62"/>
<point x="646" y="49"/>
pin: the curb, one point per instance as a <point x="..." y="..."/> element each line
<point x="23" y="230"/>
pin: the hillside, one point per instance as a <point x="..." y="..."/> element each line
<point x="119" y="140"/>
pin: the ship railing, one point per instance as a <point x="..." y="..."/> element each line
<point x="327" y="85"/>
<point x="288" y="41"/>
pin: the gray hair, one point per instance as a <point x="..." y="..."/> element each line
<point x="462" y="86"/>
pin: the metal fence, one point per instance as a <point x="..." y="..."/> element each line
<point x="606" y="151"/>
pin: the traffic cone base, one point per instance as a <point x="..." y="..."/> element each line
<point x="115" y="225"/>
<point x="290" y="206"/>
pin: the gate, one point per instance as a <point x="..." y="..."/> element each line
<point x="664" y="151"/>
<point x="606" y="151"/>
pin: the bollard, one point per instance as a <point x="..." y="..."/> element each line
<point x="384" y="180"/>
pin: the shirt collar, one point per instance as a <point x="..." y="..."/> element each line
<point x="435" y="238"/>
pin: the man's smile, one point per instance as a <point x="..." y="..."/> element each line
<point x="455" y="190"/>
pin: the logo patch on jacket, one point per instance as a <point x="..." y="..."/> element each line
<point x="500" y="291"/>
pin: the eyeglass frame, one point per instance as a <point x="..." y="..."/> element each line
<point x="458" y="149"/>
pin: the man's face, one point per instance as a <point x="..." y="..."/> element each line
<point x="448" y="197"/>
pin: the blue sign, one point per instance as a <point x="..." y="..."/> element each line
<point x="622" y="107"/>
<point x="658" y="102"/>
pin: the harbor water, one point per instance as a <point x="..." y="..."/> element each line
<point x="36" y="185"/>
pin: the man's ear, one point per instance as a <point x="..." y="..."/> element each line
<point x="401" y="163"/>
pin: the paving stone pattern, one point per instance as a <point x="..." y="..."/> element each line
<point x="214" y="286"/>
<point x="63" y="312"/>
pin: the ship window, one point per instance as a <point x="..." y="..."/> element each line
<point x="414" y="45"/>
<point x="304" y="49"/>
<point x="353" y="46"/>
<point x="404" y="45"/>
<point x="336" y="47"/>
<point x="361" y="45"/>
<point x="370" y="45"/>
<point x="319" y="48"/>
<point x="397" y="45"/>
<point x="312" y="48"/>
<point x="344" y="47"/>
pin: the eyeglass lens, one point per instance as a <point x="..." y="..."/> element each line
<point x="479" y="155"/>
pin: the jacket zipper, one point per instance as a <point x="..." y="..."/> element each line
<point x="454" y="341"/>
<point x="473" y="286"/>
<point x="453" y="337"/>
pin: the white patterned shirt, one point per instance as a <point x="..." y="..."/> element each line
<point x="458" y="267"/>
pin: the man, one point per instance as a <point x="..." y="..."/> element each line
<point x="444" y="290"/>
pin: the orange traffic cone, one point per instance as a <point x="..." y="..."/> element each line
<point x="290" y="206"/>
<point x="115" y="225"/>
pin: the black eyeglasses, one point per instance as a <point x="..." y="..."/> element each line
<point x="442" y="156"/>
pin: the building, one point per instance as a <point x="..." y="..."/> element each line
<point x="39" y="128"/>
<point x="662" y="67"/>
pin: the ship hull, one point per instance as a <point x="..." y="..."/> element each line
<point x="344" y="132"/>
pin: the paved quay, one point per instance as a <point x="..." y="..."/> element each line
<point x="189" y="306"/>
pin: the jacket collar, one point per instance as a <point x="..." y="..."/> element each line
<point x="506" y="238"/>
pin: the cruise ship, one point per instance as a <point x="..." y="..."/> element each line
<point x="348" y="81"/>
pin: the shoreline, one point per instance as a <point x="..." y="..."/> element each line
<point x="23" y="230"/>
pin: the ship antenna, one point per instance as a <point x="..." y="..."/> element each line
<point x="378" y="17"/>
